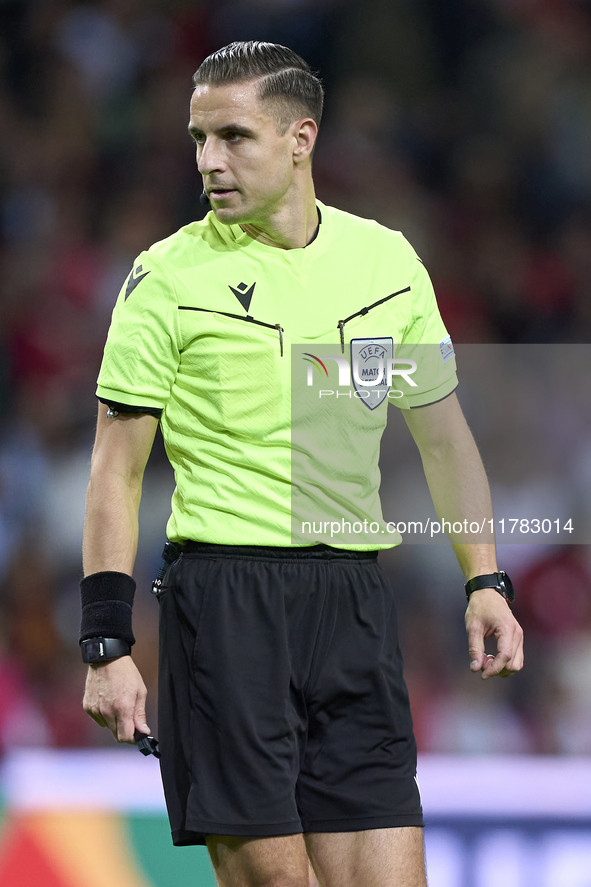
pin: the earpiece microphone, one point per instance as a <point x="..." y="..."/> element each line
<point x="204" y="199"/>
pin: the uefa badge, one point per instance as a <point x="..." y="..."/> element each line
<point x="370" y="360"/>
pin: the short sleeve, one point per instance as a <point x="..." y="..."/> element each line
<point x="426" y="342"/>
<point x="142" y="352"/>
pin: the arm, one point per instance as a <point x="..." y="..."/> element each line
<point x="115" y="693"/>
<point x="459" y="489"/>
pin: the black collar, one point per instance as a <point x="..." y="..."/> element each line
<point x="315" y="235"/>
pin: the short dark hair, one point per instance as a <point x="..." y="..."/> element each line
<point x="287" y="81"/>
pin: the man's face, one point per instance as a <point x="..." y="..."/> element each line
<point x="247" y="166"/>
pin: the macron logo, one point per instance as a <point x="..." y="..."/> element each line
<point x="244" y="294"/>
<point x="134" y="278"/>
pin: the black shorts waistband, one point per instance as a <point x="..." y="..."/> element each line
<point x="301" y="553"/>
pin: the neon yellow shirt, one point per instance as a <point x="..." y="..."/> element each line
<point x="207" y="329"/>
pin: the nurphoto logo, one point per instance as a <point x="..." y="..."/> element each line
<point x="371" y="369"/>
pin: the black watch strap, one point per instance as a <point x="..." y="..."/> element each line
<point x="499" y="581"/>
<point x="104" y="649"/>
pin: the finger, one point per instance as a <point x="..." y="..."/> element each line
<point x="109" y="719"/>
<point x="476" y="647"/>
<point x="124" y="728"/>
<point x="96" y="716"/>
<point x="511" y="668"/>
<point x="132" y="717"/>
<point x="515" y="648"/>
<point x="495" y="665"/>
<point x="139" y="719"/>
<point x="93" y="712"/>
<point x="516" y="663"/>
<point x="507" y="644"/>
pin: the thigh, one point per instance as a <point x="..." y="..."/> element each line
<point x="359" y="766"/>
<point x="236" y="637"/>
<point x="372" y="858"/>
<point x="258" y="862"/>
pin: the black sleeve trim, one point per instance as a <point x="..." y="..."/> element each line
<point x="128" y="408"/>
<point x="431" y="402"/>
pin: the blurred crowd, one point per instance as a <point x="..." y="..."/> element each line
<point x="465" y="124"/>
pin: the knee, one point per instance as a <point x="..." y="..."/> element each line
<point x="254" y="879"/>
<point x="259" y="862"/>
<point x="281" y="880"/>
<point x="263" y="878"/>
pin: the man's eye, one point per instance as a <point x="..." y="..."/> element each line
<point x="234" y="136"/>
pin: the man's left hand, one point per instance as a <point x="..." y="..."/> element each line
<point x="489" y="616"/>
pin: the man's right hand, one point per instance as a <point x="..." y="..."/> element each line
<point x="115" y="697"/>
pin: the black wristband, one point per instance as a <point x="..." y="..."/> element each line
<point x="104" y="649"/>
<point x="499" y="581"/>
<point x="107" y="599"/>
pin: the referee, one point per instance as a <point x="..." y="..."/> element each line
<point x="284" y="722"/>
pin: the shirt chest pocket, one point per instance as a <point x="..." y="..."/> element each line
<point x="237" y="368"/>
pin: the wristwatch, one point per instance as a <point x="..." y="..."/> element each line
<point x="104" y="649"/>
<point x="499" y="581"/>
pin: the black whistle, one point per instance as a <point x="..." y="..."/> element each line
<point x="148" y="745"/>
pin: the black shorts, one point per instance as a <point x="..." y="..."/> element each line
<point x="282" y="705"/>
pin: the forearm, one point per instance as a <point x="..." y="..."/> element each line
<point x="119" y="458"/>
<point x="111" y="525"/>
<point x="115" y="693"/>
<point x="460" y="492"/>
<point x="461" y="495"/>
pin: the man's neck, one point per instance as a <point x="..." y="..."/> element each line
<point x="288" y="230"/>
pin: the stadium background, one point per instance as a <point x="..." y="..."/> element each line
<point x="467" y="125"/>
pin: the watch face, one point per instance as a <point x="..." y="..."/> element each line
<point x="94" y="649"/>
<point x="507" y="587"/>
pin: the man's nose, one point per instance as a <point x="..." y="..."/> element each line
<point x="209" y="157"/>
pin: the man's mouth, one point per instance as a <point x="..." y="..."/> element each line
<point x="220" y="193"/>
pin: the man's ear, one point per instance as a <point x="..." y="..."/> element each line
<point x="305" y="132"/>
